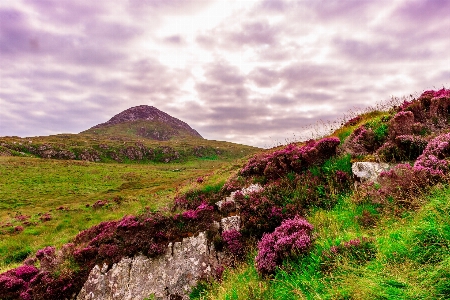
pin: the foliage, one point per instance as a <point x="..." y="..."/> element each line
<point x="292" y="158"/>
<point x="233" y="242"/>
<point x="292" y="237"/>
<point x="359" y="250"/>
<point x="435" y="156"/>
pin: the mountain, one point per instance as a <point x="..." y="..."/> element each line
<point x="146" y="122"/>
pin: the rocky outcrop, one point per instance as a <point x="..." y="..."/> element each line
<point x="170" y="276"/>
<point x="368" y="171"/>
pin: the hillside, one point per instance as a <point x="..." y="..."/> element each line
<point x="360" y="214"/>
<point x="138" y="134"/>
<point x="144" y="122"/>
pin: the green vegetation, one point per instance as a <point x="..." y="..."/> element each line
<point x="311" y="232"/>
<point x="76" y="195"/>
<point x="412" y="259"/>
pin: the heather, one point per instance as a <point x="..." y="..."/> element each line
<point x="308" y="227"/>
<point x="292" y="237"/>
<point x="386" y="239"/>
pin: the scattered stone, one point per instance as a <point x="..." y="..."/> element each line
<point x="368" y="171"/>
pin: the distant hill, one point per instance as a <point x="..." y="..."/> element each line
<point x="146" y="122"/>
<point x="142" y="134"/>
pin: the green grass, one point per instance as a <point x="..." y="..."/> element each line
<point x="412" y="259"/>
<point x="33" y="187"/>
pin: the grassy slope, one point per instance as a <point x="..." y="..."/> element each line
<point x="412" y="252"/>
<point x="33" y="187"/>
<point x="412" y="260"/>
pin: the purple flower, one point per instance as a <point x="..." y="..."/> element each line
<point x="292" y="237"/>
<point x="233" y="241"/>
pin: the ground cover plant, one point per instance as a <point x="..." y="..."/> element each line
<point x="308" y="231"/>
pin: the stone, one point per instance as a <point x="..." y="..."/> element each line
<point x="368" y="171"/>
<point x="250" y="189"/>
<point x="170" y="276"/>
<point x="229" y="223"/>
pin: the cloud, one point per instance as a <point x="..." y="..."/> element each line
<point x="255" y="73"/>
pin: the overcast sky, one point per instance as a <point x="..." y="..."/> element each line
<point x="252" y="72"/>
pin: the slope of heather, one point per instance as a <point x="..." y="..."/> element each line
<point x="310" y="231"/>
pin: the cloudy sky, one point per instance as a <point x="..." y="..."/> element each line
<point x="253" y="72"/>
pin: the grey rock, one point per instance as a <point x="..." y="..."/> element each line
<point x="368" y="171"/>
<point x="250" y="189"/>
<point x="233" y="222"/>
<point x="165" y="277"/>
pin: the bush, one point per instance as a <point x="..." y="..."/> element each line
<point x="399" y="187"/>
<point x="293" y="237"/>
<point x="360" y="142"/>
<point x="259" y="214"/>
<point x="401" y="124"/>
<point x="233" y="241"/>
<point x="435" y="156"/>
<point x="404" y="147"/>
<point x="292" y="158"/>
<point x="431" y="109"/>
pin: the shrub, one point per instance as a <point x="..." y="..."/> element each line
<point x="431" y="108"/>
<point x="360" y="142"/>
<point x="292" y="237"/>
<point x="292" y="158"/>
<point x="353" y="121"/>
<point x="404" y="147"/>
<point x="401" y="124"/>
<point x="47" y="258"/>
<point x="233" y="241"/>
<point x="399" y="187"/>
<point x="260" y="214"/>
<point x="434" y="157"/>
<point x="14" y="284"/>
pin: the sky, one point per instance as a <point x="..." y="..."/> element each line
<point x="251" y="72"/>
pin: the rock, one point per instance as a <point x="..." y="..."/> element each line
<point x="170" y="276"/>
<point x="368" y="171"/>
<point x="250" y="189"/>
<point x="233" y="222"/>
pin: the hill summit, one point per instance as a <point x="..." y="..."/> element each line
<point x="145" y="121"/>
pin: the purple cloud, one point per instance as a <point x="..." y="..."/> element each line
<point x="267" y="69"/>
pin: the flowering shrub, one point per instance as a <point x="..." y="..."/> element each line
<point x="431" y="108"/>
<point x="291" y="159"/>
<point x="401" y="124"/>
<point x="292" y="237"/>
<point x="399" y="186"/>
<point x="435" y="156"/>
<point x="193" y="198"/>
<point x="45" y="217"/>
<point x="359" y="250"/>
<point x="233" y="241"/>
<point x="46" y="257"/>
<point x="259" y="214"/>
<point x="21" y="218"/>
<point x="360" y="142"/>
<point x="353" y="121"/>
<point x="15" y="282"/>
<point x="404" y="147"/>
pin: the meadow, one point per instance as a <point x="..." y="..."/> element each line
<point x="48" y="202"/>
